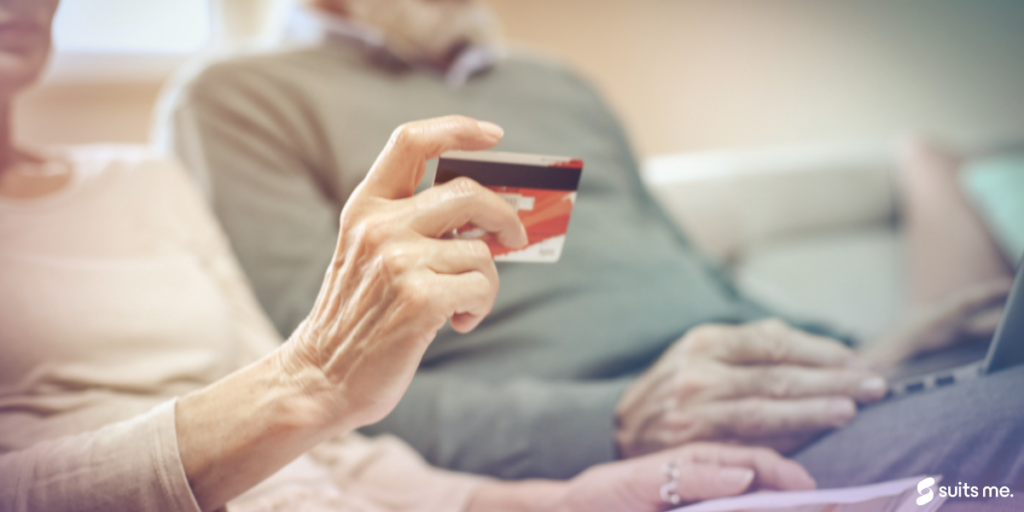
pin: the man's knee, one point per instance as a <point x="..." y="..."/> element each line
<point x="973" y="431"/>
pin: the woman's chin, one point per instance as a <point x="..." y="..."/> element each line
<point x="19" y="70"/>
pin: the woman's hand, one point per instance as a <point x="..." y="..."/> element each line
<point x="393" y="282"/>
<point x="705" y="471"/>
<point x="391" y="286"/>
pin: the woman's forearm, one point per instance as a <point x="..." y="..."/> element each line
<point x="524" y="496"/>
<point x="244" y="428"/>
<point x="236" y="433"/>
<point x="129" y="465"/>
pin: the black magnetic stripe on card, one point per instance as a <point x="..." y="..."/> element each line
<point x="497" y="174"/>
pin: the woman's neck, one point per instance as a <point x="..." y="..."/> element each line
<point x="8" y="155"/>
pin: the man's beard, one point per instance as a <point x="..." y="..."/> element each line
<point x="426" y="31"/>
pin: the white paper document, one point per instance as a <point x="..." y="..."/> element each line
<point x="895" y="496"/>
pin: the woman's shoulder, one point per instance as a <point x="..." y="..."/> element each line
<point x="117" y="173"/>
<point x="123" y="157"/>
<point x="135" y="177"/>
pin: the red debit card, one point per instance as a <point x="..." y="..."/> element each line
<point x="542" y="189"/>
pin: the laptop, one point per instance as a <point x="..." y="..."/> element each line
<point x="1005" y="350"/>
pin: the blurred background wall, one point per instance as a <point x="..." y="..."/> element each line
<point x="692" y="74"/>
<point x="683" y="74"/>
<point x="112" y="58"/>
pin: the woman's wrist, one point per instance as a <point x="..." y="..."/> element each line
<point x="328" y="396"/>
<point x="318" y="399"/>
<point x="245" y="427"/>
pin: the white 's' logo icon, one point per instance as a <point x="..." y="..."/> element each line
<point x="926" y="497"/>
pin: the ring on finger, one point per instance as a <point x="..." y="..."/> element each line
<point x="671" y="471"/>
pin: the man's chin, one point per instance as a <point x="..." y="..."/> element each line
<point x="427" y="31"/>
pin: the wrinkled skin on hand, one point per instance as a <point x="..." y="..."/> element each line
<point x="393" y="282"/>
<point x="706" y="471"/>
<point x="763" y="383"/>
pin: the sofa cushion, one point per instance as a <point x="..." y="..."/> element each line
<point x="995" y="185"/>
<point x="852" y="278"/>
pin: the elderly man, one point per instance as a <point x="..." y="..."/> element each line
<point x="629" y="344"/>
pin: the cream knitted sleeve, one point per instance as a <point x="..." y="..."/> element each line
<point x="132" y="465"/>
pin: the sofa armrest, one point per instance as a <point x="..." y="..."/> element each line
<point x="727" y="200"/>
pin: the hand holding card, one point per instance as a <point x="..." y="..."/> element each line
<point x="542" y="189"/>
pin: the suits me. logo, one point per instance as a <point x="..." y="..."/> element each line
<point x="924" y="488"/>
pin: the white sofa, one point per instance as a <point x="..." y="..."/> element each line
<point x="811" y="231"/>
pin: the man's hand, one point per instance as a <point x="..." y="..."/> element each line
<point x="763" y="383"/>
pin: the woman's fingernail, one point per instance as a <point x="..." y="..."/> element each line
<point x="491" y="129"/>
<point x="735" y="479"/>
<point x="874" y="387"/>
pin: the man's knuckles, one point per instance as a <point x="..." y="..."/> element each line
<point x="690" y="424"/>
<point x="695" y="381"/>
<point x="772" y="326"/>
<point x="776" y="382"/>
<point x="764" y="341"/>
<point x="770" y="341"/>
<point x="704" y="340"/>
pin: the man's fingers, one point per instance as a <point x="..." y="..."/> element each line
<point x="753" y="418"/>
<point x="460" y="201"/>
<point x="787" y="382"/>
<point x="772" y="341"/>
<point x="401" y="165"/>
<point x="757" y="417"/>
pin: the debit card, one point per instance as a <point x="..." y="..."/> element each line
<point x="542" y="189"/>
